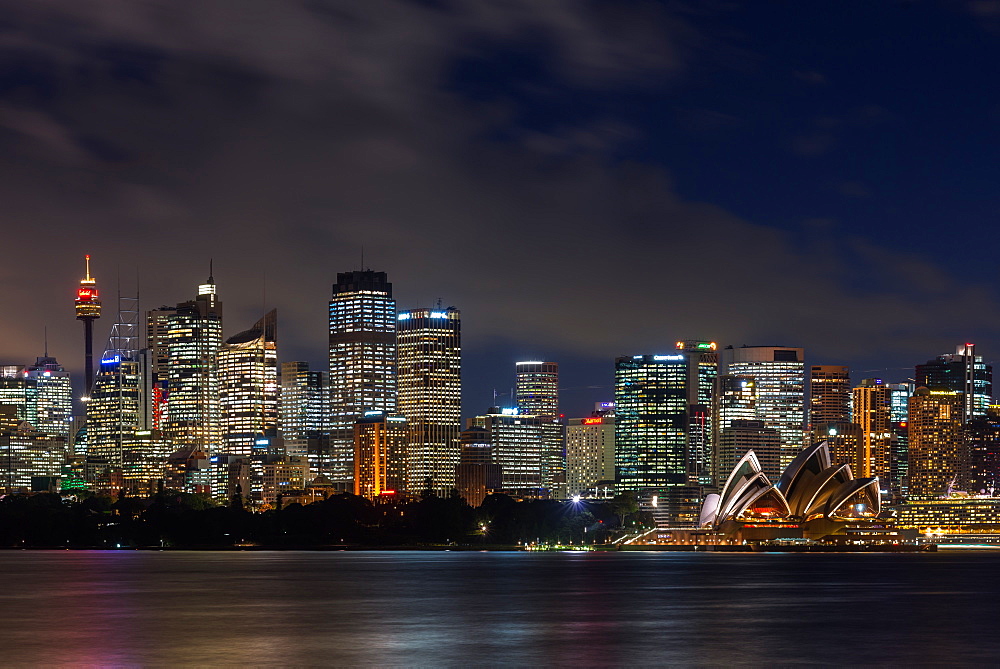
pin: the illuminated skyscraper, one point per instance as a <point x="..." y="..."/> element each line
<point x="779" y="373"/>
<point x="430" y="394"/>
<point x="362" y="359"/>
<point x="114" y="411"/>
<point x="661" y="426"/>
<point x="829" y="395"/>
<point x="873" y="414"/>
<point x="537" y="388"/>
<point x="964" y="372"/>
<point x="518" y="443"/>
<point x="194" y="337"/>
<point x="936" y="436"/>
<point x="88" y="310"/>
<point x="157" y="378"/>
<point x="590" y="455"/>
<point x="19" y="391"/>
<point x="379" y="454"/>
<point x="53" y="397"/>
<point x="537" y="394"/>
<point x="304" y="402"/>
<point x="248" y="388"/>
<point x="29" y="460"/>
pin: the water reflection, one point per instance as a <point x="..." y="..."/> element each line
<point x="598" y="609"/>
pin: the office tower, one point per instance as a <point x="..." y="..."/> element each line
<point x="379" y="454"/>
<point x="733" y="399"/>
<point x="873" y="414"/>
<point x="114" y="411"/>
<point x="590" y="455"/>
<point x="935" y="435"/>
<point x="829" y="395"/>
<point x="88" y="310"/>
<point x="899" y="402"/>
<point x="30" y="461"/>
<point x="536" y="392"/>
<point x="779" y="373"/>
<point x="284" y="475"/>
<point x="964" y="372"/>
<point x="157" y="377"/>
<point x="661" y="419"/>
<point x="248" y="389"/>
<point x="144" y="462"/>
<point x="742" y="435"/>
<point x="362" y="359"/>
<point x="661" y="408"/>
<point x="53" y="397"/>
<point x="981" y="469"/>
<point x="537" y="388"/>
<point x="429" y="376"/>
<point x="304" y="402"/>
<point x="702" y="372"/>
<point x="845" y="441"/>
<point x="19" y="391"/>
<point x="477" y="474"/>
<point x="517" y="442"/>
<point x="194" y="337"/>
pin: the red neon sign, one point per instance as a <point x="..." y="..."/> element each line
<point x="592" y="421"/>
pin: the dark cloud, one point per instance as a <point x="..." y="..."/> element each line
<point x="280" y="138"/>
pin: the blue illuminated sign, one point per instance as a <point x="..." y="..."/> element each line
<point x="403" y="317"/>
<point x="438" y="314"/>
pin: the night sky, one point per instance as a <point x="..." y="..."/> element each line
<point x="582" y="179"/>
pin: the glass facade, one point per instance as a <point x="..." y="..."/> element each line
<point x="430" y="394"/>
<point x="194" y="336"/>
<point x="362" y="360"/>
<point x="779" y="373"/>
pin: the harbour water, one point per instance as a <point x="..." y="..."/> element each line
<point x="461" y="608"/>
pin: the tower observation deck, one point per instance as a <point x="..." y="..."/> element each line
<point x="88" y="309"/>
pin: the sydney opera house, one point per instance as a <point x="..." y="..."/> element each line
<point x="814" y="499"/>
<point x="813" y="495"/>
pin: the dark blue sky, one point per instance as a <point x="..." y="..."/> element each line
<point x="583" y="179"/>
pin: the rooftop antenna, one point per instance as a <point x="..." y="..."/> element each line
<point x="211" y="270"/>
<point x="46" y="341"/>
<point x="362" y="257"/>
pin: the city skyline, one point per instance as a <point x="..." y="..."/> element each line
<point x="477" y="392"/>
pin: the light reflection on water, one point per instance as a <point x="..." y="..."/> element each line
<point x="456" y="608"/>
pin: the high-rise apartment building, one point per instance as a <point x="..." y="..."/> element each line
<point x="379" y="454"/>
<point x="936" y="437"/>
<point x="429" y="377"/>
<point x="779" y="373"/>
<point x="53" y="397"/>
<point x="963" y="372"/>
<point x="829" y="394"/>
<point x="362" y="360"/>
<point x="194" y="337"/>
<point x="248" y="389"/>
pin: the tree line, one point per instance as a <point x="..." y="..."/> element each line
<point x="173" y="519"/>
